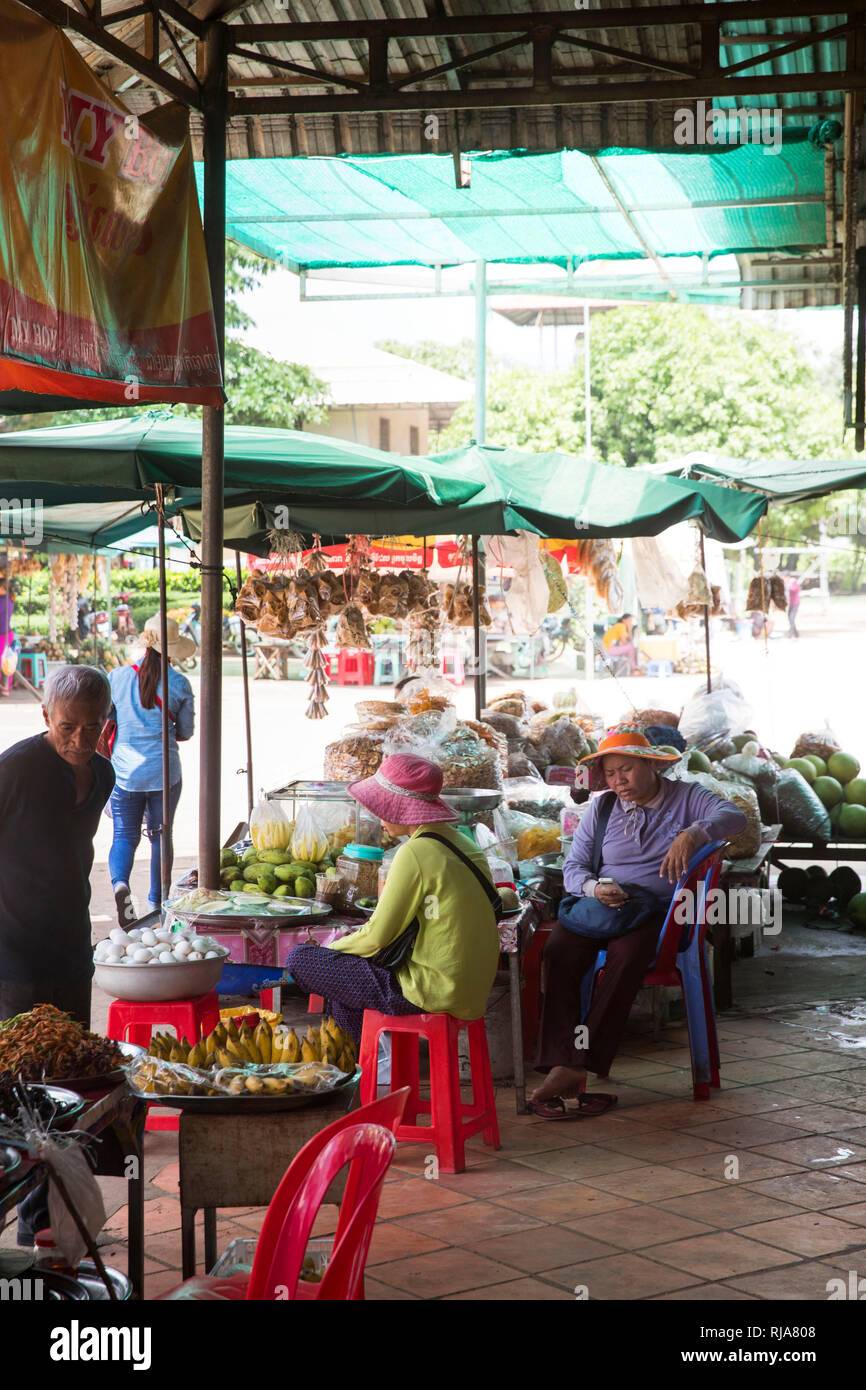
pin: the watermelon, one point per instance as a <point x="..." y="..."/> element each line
<point x="857" y="909"/>
<point x="845" y="883"/>
<point x="793" y="885"/>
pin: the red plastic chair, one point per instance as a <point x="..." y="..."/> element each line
<point x="354" y="667"/>
<point x="383" y="1114"/>
<point x="681" y="962"/>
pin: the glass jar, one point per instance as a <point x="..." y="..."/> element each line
<point x="358" y="867"/>
<point x="384" y="867"/>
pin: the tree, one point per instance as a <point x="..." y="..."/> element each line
<point x="665" y="380"/>
<point x="260" y="390"/>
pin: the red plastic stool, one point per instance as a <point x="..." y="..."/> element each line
<point x="452" y="1121"/>
<point x="352" y="668"/>
<point x="451" y="667"/>
<point x="315" y="1004"/>
<point x="190" y="1018"/>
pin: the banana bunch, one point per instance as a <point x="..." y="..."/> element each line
<point x="233" y="1047"/>
<point x="329" y="1044"/>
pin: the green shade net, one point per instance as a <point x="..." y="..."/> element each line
<point x="522" y="208"/>
<point x="779" y="480"/>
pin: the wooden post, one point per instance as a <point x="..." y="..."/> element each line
<point x="165" y="832"/>
<point x="246" y="675"/>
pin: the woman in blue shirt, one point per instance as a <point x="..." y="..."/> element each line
<point x="137" y="758"/>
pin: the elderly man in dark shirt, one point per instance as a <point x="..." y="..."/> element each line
<point x="53" y="788"/>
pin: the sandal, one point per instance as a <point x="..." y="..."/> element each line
<point x="553" y="1108"/>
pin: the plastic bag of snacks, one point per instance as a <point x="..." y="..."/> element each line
<point x="270" y="828"/>
<point x="786" y="798"/>
<point x="533" y="836"/>
<point x="310" y="840"/>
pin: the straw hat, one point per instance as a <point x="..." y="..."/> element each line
<point x="404" y="791"/>
<point x="178" y="647"/>
<point x="629" y="742"/>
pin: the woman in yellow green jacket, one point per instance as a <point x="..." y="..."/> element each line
<point x="455" y="952"/>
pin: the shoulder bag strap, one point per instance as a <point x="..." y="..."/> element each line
<point x="605" y="808"/>
<point x="492" y="895"/>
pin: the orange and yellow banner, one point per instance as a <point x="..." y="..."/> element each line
<point x="104" y="290"/>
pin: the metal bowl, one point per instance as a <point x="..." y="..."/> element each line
<point x="472" y="799"/>
<point x="146" y="984"/>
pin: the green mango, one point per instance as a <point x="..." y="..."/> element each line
<point x="286" y="873"/>
<point x="237" y="885"/>
<point x="252" y="872"/>
<point x="305" y="887"/>
<point x="229" y="875"/>
<point x="274" y="856"/>
<point x="283" y="890"/>
<point x="227" y="857"/>
<point x="267" y="883"/>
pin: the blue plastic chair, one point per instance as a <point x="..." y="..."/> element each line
<point x="681" y="960"/>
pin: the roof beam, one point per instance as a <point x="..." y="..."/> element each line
<point x="56" y="12"/>
<point x="453" y="26"/>
<point x="587" y="93"/>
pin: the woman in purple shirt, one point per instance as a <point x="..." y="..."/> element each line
<point x="7" y="637"/>
<point x="655" y="827"/>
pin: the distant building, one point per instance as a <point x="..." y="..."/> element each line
<point x="385" y="401"/>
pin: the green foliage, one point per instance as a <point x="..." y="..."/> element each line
<point x="260" y="390"/>
<point x="665" y="380"/>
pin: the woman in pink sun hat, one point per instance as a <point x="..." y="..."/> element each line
<point x="440" y="883"/>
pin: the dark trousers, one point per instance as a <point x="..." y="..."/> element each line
<point x="348" y="984"/>
<point x="567" y="958"/>
<point x="17" y="997"/>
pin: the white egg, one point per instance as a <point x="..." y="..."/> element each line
<point x="211" y="955"/>
<point x="182" y="947"/>
<point x="179" y="956"/>
<point x="101" y="950"/>
<point x="163" y="933"/>
<point x="154" y="960"/>
<point x="141" y="956"/>
<point x="166" y="958"/>
<point x="118" y="935"/>
<point x="148" y="938"/>
<point x="113" y="954"/>
<point x="135" y="934"/>
<point x="195" y="955"/>
<point x="200" y="943"/>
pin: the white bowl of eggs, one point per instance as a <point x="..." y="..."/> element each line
<point x="147" y="965"/>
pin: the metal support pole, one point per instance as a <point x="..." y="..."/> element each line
<point x="587" y="400"/>
<point x="589" y="632"/>
<point x="706" y="619"/>
<point x="165" y="832"/>
<point x="480" y="352"/>
<point x="246" y="675"/>
<point x="215" y="106"/>
<point x="480" y="651"/>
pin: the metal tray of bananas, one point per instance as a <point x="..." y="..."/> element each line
<point x="246" y="1070"/>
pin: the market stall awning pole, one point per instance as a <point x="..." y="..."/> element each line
<point x="480" y="650"/>
<point x="706" y="619"/>
<point x="246" y="676"/>
<point x="165" y="832"/>
<point x="215" y="99"/>
<point x="480" y="352"/>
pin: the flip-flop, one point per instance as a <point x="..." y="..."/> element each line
<point x="554" y="1108"/>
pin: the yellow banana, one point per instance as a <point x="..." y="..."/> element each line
<point x="308" y="1053"/>
<point x="196" y="1055"/>
<point x="254" y="1083"/>
<point x="345" y="1063"/>
<point x="253" y="1051"/>
<point x="291" y="1047"/>
<point x="225" y="1058"/>
<point x="314" y="1041"/>
<point x="235" y="1050"/>
<point x="330" y="1053"/>
<point x="275" y="1085"/>
<point x="231" y="1029"/>
<point x="263" y="1038"/>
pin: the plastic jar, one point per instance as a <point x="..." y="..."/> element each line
<point x="384" y="867"/>
<point x="358" y="867"/>
<point x="46" y="1254"/>
<point x="501" y="871"/>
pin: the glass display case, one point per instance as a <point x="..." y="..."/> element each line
<point x="342" y="818"/>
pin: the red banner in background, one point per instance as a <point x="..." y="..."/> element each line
<point x="447" y="554"/>
<point x="104" y="289"/>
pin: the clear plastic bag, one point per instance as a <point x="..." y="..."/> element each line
<point x="270" y="827"/>
<point x="151" y="1077"/>
<point x="71" y="1166"/>
<point x="533" y="835"/>
<point x="310" y="839"/>
<point x="713" y="716"/>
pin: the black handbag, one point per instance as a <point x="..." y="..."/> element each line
<point x="590" y="918"/>
<point x="398" y="952"/>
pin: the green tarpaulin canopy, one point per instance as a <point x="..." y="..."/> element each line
<point x="780" y="480"/>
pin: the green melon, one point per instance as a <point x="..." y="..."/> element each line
<point x="835" y="814"/>
<point x="857" y="909"/>
<point x="793" y="885"/>
<point x="819" y="764"/>
<point x="844" y="883"/>
<point x="852" y="822"/>
<point x="855" y="791"/>
<point x="805" y="768"/>
<point x="698" y="761"/>
<point x="843" y="766"/>
<point x="828" y="790"/>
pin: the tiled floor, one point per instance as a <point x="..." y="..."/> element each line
<point x="758" y="1194"/>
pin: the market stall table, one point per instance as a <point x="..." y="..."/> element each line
<point x="115" y="1119"/>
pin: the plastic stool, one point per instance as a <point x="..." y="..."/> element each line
<point x="355" y="667"/>
<point x="452" y="1120"/>
<point x="33" y="668"/>
<point x="659" y="668"/>
<point x="451" y="667"/>
<point x="384" y="668"/>
<point x="190" y="1018"/>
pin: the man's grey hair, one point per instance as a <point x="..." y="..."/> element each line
<point x="77" y="683"/>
